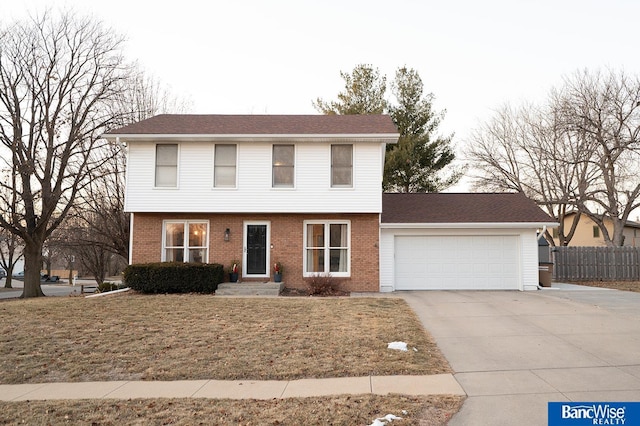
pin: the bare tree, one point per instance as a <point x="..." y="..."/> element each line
<point x="97" y="230"/>
<point x="10" y="254"/>
<point x="525" y="150"/>
<point x="602" y="111"/>
<point x="100" y="206"/>
<point x="577" y="153"/>
<point x="56" y="74"/>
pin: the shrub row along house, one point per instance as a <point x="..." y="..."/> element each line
<point x="304" y="191"/>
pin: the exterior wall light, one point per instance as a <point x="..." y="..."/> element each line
<point x="227" y="233"/>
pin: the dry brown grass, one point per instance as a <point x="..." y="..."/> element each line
<point x="181" y="337"/>
<point x="339" y="410"/>
<point x="616" y="285"/>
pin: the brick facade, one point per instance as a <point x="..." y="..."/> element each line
<point x="286" y="243"/>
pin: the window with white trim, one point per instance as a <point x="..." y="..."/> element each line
<point x="327" y="248"/>
<point x="166" y="165"/>
<point x="185" y="241"/>
<point x="342" y="166"/>
<point x="283" y="162"/>
<point x="224" y="166"/>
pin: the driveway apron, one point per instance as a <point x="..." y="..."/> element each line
<point x="512" y="352"/>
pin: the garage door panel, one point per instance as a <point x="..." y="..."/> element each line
<point x="456" y="262"/>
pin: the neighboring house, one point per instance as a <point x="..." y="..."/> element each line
<point x="305" y="191"/>
<point x="302" y="190"/>
<point x="460" y="241"/>
<point x="589" y="234"/>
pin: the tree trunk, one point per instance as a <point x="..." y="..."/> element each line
<point x="7" y="281"/>
<point x="32" y="266"/>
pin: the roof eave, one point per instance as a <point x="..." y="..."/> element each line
<point x="389" y="138"/>
<point x="470" y="225"/>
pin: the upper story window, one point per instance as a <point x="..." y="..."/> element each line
<point x="185" y="241"/>
<point x="166" y="165"/>
<point x="224" y="169"/>
<point x="596" y="231"/>
<point x="283" y="160"/>
<point x="342" y="166"/>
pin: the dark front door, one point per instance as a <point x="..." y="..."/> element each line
<point x="256" y="249"/>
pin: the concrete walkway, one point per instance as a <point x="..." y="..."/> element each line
<point x="236" y="389"/>
<point x="513" y="352"/>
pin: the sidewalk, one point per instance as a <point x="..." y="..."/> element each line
<point x="439" y="384"/>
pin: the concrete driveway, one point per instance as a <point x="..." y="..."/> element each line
<point x="515" y="351"/>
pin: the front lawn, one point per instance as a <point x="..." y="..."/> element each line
<point x="181" y="337"/>
<point x="172" y="337"/>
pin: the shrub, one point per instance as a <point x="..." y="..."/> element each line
<point x="174" y="277"/>
<point x="108" y="286"/>
<point x="322" y="285"/>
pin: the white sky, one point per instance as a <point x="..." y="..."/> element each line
<point x="276" y="56"/>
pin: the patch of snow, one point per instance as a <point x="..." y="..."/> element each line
<point x="398" y="346"/>
<point x="382" y="421"/>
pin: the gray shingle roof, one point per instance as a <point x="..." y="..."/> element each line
<point x="461" y="208"/>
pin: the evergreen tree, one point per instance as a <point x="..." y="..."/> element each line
<point x="364" y="93"/>
<point x="416" y="163"/>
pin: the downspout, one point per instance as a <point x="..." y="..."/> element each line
<point x="544" y="229"/>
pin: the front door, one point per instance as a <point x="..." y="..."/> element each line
<point x="256" y="253"/>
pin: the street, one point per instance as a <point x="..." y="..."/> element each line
<point x="47" y="289"/>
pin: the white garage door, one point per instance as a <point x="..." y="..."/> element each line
<point x="456" y="262"/>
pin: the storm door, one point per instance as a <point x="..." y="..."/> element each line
<point x="256" y="249"/>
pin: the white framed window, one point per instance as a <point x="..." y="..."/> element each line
<point x="342" y="166"/>
<point x="185" y="241"/>
<point x="283" y="165"/>
<point x="166" y="166"/>
<point x="224" y="166"/>
<point x="327" y="248"/>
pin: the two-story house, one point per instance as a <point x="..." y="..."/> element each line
<point x="302" y="190"/>
<point x="306" y="191"/>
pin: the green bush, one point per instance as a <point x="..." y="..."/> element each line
<point x="174" y="277"/>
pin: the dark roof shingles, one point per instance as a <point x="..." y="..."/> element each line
<point x="461" y="208"/>
<point x="186" y="124"/>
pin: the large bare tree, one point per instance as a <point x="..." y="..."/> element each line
<point x="56" y="75"/>
<point x="577" y="153"/>
<point x="601" y="110"/>
<point x="97" y="229"/>
<point x="526" y="150"/>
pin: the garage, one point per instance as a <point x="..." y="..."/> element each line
<point x="474" y="241"/>
<point x="456" y="262"/>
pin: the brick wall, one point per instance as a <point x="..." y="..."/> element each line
<point x="286" y="242"/>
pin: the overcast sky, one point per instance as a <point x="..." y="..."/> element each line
<point x="276" y="56"/>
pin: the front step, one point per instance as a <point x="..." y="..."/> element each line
<point x="249" y="289"/>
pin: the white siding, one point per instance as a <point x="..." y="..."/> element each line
<point x="528" y="257"/>
<point x="312" y="192"/>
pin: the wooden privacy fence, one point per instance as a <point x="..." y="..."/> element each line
<point x="596" y="263"/>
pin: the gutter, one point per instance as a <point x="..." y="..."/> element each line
<point x="468" y="225"/>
